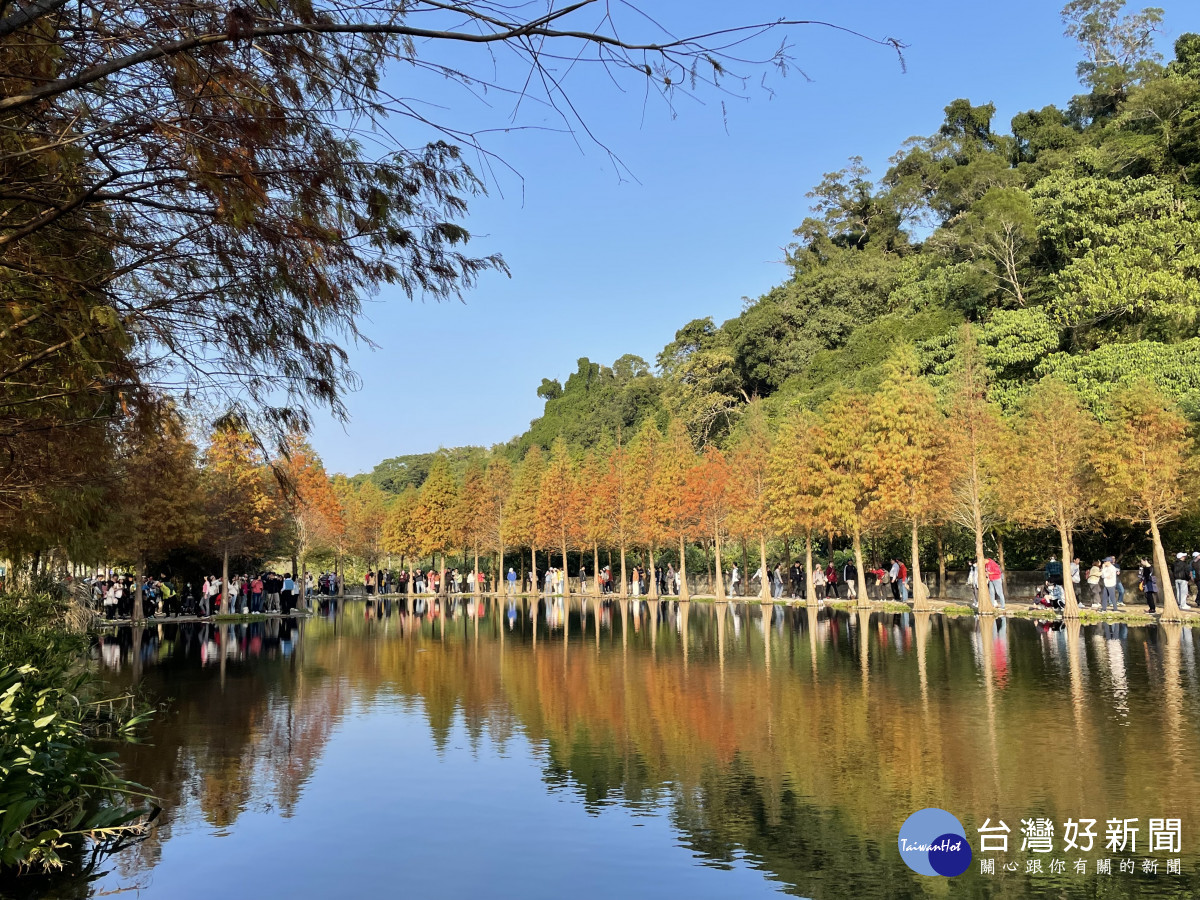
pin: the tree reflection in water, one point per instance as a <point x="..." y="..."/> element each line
<point x="792" y="739"/>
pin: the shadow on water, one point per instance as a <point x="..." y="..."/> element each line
<point x="703" y="748"/>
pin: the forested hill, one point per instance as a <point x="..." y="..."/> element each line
<point x="1071" y="242"/>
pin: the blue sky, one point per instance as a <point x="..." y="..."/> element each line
<point x="603" y="266"/>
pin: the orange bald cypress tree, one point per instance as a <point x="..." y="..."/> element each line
<point x="674" y="501"/>
<point x="975" y="429"/>
<point x="910" y="459"/>
<point x="558" y="504"/>
<point x="1147" y="470"/>
<point x="497" y="491"/>
<point x="434" y="515"/>
<point x="469" y="522"/>
<point x="844" y="453"/>
<point x="643" y="460"/>
<point x="594" y="507"/>
<point x="522" y="521"/>
<point x="240" y="503"/>
<point x="311" y="505"/>
<point x="795" y="485"/>
<point x="710" y="487"/>
<point x="1052" y="484"/>
<point x="749" y="463"/>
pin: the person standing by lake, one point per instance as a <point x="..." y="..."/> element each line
<point x="820" y="589"/>
<point x="995" y="584"/>
<point x="1149" y="583"/>
<point x="1054" y="571"/>
<point x="287" y="593"/>
<point x="734" y="580"/>
<point x="1093" y="583"/>
<point x="1181" y="571"/>
<point x="1108" y="584"/>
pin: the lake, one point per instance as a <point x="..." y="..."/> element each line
<point x="654" y="750"/>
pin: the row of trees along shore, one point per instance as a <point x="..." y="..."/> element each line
<point x="917" y="453"/>
<point x="910" y="455"/>
<point x="961" y="344"/>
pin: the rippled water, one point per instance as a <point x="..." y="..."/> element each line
<point x="649" y="750"/>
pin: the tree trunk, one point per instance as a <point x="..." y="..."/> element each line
<point x="863" y="599"/>
<point x="683" y="585"/>
<point x="138" y="591"/>
<point x="501" y="575"/>
<point x="809" y="588"/>
<point x="764" y="588"/>
<point x="985" y="600"/>
<point x="653" y="592"/>
<point x="566" y="579"/>
<point x="920" y="595"/>
<point x="624" y="579"/>
<point x="719" y="583"/>
<point x="1070" y="601"/>
<point x="533" y="571"/>
<point x="475" y="572"/>
<point x="596" y="577"/>
<point x="1170" y="608"/>
<point x="225" y="585"/>
<point x="303" y="585"/>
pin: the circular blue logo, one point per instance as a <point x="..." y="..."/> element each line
<point x="933" y="842"/>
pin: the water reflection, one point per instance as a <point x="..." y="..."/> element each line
<point x="773" y="748"/>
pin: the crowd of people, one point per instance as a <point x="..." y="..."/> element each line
<point x="1105" y="590"/>
<point x="281" y="593"/>
<point x="266" y="592"/>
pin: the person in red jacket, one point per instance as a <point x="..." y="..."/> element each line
<point x="991" y="568"/>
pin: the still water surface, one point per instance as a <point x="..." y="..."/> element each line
<point x="648" y="750"/>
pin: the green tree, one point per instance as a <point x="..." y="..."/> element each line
<point x="699" y="384"/>
<point x="999" y="232"/>
<point x="1125" y="249"/>
<point x="1118" y="49"/>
